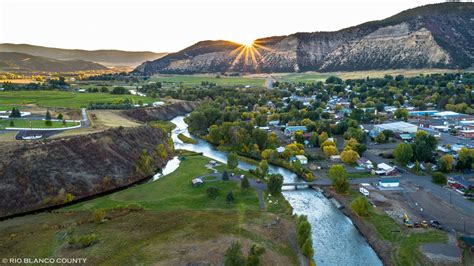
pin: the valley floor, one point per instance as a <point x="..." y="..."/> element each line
<point x="167" y="221"/>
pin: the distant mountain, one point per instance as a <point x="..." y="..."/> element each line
<point x="104" y="57"/>
<point x="18" y="62"/>
<point x="431" y="36"/>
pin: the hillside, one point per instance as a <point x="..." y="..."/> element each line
<point x="431" y="36"/>
<point x="104" y="57"/>
<point x="18" y="62"/>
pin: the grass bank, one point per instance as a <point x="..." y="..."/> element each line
<point x="186" y="139"/>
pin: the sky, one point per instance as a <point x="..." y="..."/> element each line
<point x="171" y="25"/>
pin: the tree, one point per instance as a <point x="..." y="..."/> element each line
<point x="341" y="184"/>
<point x="60" y="116"/>
<point x="98" y="216"/>
<point x="48" y="122"/>
<point x="361" y="206"/>
<point x="230" y="197"/>
<point x="337" y="170"/>
<point x="263" y="168"/>
<point x="445" y="163"/>
<point x="297" y="166"/>
<point x="233" y="255"/>
<point x="423" y="146"/>
<point x="299" y="137"/>
<point x="232" y="160"/>
<point x="380" y="138"/>
<point x="274" y="184"/>
<point x="12" y="123"/>
<point x="307" y="248"/>
<point x="253" y="259"/>
<point x="338" y="175"/>
<point x="329" y="151"/>
<point x="244" y="184"/>
<point x="322" y="137"/>
<point x="403" y="153"/>
<point x="349" y="157"/>
<point x="401" y="114"/>
<point x="225" y="176"/>
<point x="439" y="178"/>
<point x="212" y="192"/>
<point x="465" y="159"/>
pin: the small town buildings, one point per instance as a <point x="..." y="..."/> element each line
<point x="197" y="182"/>
<point x="448" y="115"/>
<point x="423" y="113"/>
<point x="157" y="104"/>
<point x="303" y="159"/>
<point x="364" y="162"/>
<point x="335" y="158"/>
<point x="467" y="133"/>
<point x="459" y="182"/>
<point x="274" y="123"/>
<point x="385" y="169"/>
<point x="280" y="149"/>
<point x="290" y="131"/>
<point x="389" y="183"/>
<point x="397" y="127"/>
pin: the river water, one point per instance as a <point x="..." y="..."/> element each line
<point x="335" y="239"/>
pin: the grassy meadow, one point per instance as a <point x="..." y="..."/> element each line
<point x="195" y="80"/>
<point x="25" y="123"/>
<point x="174" y="224"/>
<point x="64" y="99"/>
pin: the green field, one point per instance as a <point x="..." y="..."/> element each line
<point x="180" y="224"/>
<point x="302" y="77"/>
<point x="406" y="241"/>
<point x="25" y="123"/>
<point x="195" y="80"/>
<point x="62" y="98"/>
<point x="175" y="192"/>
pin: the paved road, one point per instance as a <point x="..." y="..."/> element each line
<point x="447" y="138"/>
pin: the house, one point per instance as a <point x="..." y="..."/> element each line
<point x="364" y="162"/>
<point x="81" y="90"/>
<point x="422" y="113"/>
<point x="290" y="131"/>
<point x="197" y="182"/>
<point x="157" y="104"/>
<point x="274" y="123"/>
<point x="397" y="127"/>
<point x="459" y="182"/>
<point x="2" y="89"/>
<point x="335" y="158"/>
<point x="385" y="169"/>
<point x="406" y="137"/>
<point x="389" y="183"/>
<point x="448" y="115"/>
<point x="303" y="159"/>
<point x="467" y="133"/>
<point x="280" y="149"/>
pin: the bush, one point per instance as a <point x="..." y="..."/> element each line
<point x="233" y="255"/>
<point x="439" y="178"/>
<point x="225" y="176"/>
<point x="98" y="216"/>
<point x="244" y="184"/>
<point x="274" y="184"/>
<point x="212" y="192"/>
<point x="361" y="206"/>
<point x="82" y="241"/>
<point x="230" y="197"/>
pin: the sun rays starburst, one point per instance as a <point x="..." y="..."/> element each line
<point x="248" y="55"/>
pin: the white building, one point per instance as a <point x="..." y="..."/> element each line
<point x="389" y="183"/>
<point x="302" y="159"/>
<point x="397" y="127"/>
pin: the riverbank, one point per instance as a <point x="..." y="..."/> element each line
<point x="382" y="248"/>
<point x="178" y="224"/>
<point x="394" y="243"/>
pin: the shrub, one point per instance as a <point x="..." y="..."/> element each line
<point x="98" y="216"/>
<point x="212" y="192"/>
<point x="82" y="241"/>
<point x="244" y="184"/>
<point x="230" y="197"/>
<point x="225" y="176"/>
<point x="274" y="184"/>
<point x="233" y="255"/>
<point x="439" y="178"/>
<point x="361" y="206"/>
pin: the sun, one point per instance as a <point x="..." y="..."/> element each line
<point x="247" y="43"/>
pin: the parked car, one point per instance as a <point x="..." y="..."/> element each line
<point x="436" y="224"/>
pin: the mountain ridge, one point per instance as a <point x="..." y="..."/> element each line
<point x="430" y="36"/>
<point x="108" y="57"/>
<point x="20" y="62"/>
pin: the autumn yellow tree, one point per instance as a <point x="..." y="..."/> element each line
<point x="349" y="156"/>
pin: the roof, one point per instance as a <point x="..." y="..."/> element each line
<point x="405" y="136"/>
<point x="395" y="126"/>
<point x="296" y="128"/>
<point x="301" y="157"/>
<point x="448" y="113"/>
<point x="280" y="149"/>
<point x="384" y="166"/>
<point x="389" y="181"/>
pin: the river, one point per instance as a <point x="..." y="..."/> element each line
<point x="335" y="239"/>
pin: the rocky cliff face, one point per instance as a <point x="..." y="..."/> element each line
<point x="38" y="175"/>
<point x="167" y="112"/>
<point x="440" y="35"/>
